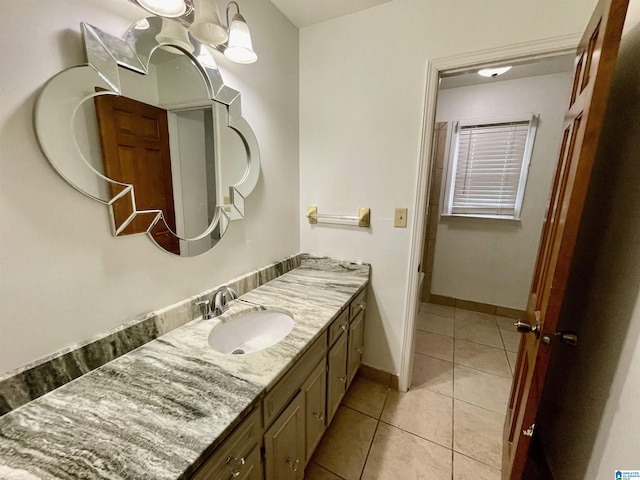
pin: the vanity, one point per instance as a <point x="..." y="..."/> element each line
<point x="177" y="408"/>
<point x="152" y="105"/>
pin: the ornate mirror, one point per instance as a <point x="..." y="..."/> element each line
<point x="148" y="128"/>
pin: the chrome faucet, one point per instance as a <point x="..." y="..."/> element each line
<point x="220" y="299"/>
<point x="220" y="305"/>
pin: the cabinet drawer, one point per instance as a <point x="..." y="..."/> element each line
<point x="339" y="325"/>
<point x="288" y="386"/>
<point x="233" y="455"/>
<point x="358" y="304"/>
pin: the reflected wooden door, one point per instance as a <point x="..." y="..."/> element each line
<point x="595" y="60"/>
<point x="134" y="137"/>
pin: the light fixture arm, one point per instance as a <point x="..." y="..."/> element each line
<point x="229" y="5"/>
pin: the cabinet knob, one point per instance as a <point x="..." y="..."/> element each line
<point x="319" y="416"/>
<point x="235" y="465"/>
<point x="293" y="465"/>
<point x="359" y="350"/>
<point x="343" y="378"/>
<point x="362" y="305"/>
<point x="344" y="327"/>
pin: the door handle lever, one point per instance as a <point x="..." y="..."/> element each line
<point x="570" y="338"/>
<point x="524" y="327"/>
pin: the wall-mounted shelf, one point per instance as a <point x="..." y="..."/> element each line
<point x="363" y="219"/>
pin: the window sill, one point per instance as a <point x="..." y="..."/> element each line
<point x="480" y="219"/>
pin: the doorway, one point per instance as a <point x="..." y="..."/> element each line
<point x="451" y="65"/>
<point x="478" y="267"/>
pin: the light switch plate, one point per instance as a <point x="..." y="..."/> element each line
<point x="400" y="218"/>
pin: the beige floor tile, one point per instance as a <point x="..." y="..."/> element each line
<point x="465" y="468"/>
<point x="478" y="333"/>
<point x="396" y="454"/>
<point x="434" y="308"/>
<point x="485" y="319"/>
<point x="422" y="412"/>
<point x="316" y="472"/>
<point x="481" y="389"/>
<point x="433" y="374"/>
<point x="351" y="432"/>
<point x="513" y="358"/>
<point x="477" y="433"/>
<point x="435" y="324"/>
<point x="511" y="340"/>
<point x="506" y="323"/>
<point x="434" y="345"/>
<point x="488" y="359"/>
<point x="366" y="396"/>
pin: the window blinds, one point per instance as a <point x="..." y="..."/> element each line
<point x="489" y="168"/>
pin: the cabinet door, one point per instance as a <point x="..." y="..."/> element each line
<point x="315" y="393"/>
<point x="356" y="340"/>
<point x="337" y="376"/>
<point x="284" y="443"/>
<point x="238" y="456"/>
<point x="250" y="470"/>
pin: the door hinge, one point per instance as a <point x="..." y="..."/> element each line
<point x="529" y="431"/>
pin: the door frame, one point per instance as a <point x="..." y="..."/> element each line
<point x="517" y="52"/>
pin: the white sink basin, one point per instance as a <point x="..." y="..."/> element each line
<point x="250" y="332"/>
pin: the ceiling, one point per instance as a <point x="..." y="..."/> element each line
<point x="542" y="66"/>
<point x="303" y="13"/>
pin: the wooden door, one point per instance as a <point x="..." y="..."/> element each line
<point x="595" y="60"/>
<point x="315" y="395"/>
<point x="284" y="443"/>
<point x="134" y="138"/>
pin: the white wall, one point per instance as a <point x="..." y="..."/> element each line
<point x="362" y="81"/>
<point x="589" y="421"/>
<point x="63" y="277"/>
<point x="492" y="261"/>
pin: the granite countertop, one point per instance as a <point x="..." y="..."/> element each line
<point x="158" y="411"/>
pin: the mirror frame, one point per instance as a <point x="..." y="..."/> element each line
<point x="55" y="113"/>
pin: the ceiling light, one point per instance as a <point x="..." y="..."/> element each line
<point x="164" y="8"/>
<point x="493" y="72"/>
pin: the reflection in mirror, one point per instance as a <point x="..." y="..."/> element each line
<point x="167" y="150"/>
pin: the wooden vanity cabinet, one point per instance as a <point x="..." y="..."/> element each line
<point x="336" y="375"/>
<point x="284" y="443"/>
<point x="315" y="395"/>
<point x="239" y="455"/>
<point x="297" y="410"/>
<point x="355" y="346"/>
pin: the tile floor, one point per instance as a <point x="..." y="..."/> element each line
<point x="448" y="426"/>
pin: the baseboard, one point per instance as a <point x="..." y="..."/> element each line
<point x="379" y="376"/>
<point x="477" y="306"/>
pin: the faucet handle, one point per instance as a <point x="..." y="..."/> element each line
<point x="206" y="309"/>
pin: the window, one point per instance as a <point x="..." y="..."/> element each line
<point x="488" y="167"/>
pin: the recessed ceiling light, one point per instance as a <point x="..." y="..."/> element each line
<point x="493" y="72"/>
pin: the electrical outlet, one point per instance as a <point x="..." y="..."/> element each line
<point x="400" y="218"/>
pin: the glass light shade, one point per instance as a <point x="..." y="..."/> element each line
<point x="493" y="72"/>
<point x="164" y="8"/>
<point x="206" y="25"/>
<point x="205" y="58"/>
<point x="175" y="34"/>
<point x="239" y="48"/>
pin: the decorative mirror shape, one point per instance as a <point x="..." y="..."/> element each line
<point x="148" y="127"/>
